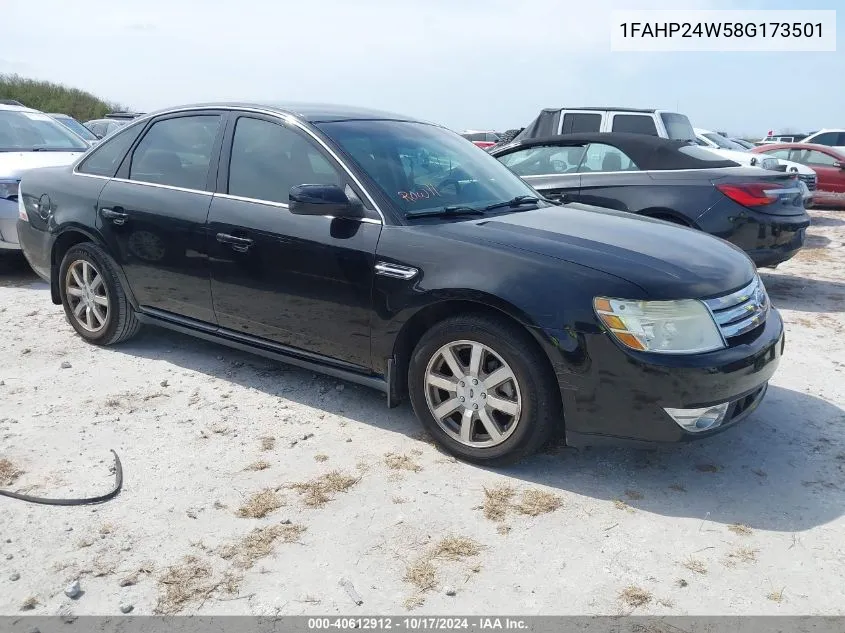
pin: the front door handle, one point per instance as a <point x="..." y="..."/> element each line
<point x="240" y="244"/>
<point x="117" y="217"/>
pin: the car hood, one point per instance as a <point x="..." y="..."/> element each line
<point x="666" y="260"/>
<point x="13" y="164"/>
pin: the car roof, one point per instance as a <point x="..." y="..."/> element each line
<point x="828" y="129"/>
<point x="648" y="152"/>
<point x="310" y="112"/>
<point x="827" y="149"/>
<point x="15" y="108"/>
<point x="602" y="109"/>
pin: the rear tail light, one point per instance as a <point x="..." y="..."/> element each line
<point x="752" y="194"/>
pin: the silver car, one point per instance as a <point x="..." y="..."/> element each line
<point x="28" y="139"/>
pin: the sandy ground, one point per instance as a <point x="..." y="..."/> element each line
<point x="351" y="495"/>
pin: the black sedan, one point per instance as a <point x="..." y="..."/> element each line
<point x="760" y="211"/>
<point x="392" y="253"/>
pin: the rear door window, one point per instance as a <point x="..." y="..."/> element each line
<point x="634" y="124"/>
<point x="176" y="152"/>
<point x="605" y="158"/>
<point x="826" y="138"/>
<point x="581" y="122"/>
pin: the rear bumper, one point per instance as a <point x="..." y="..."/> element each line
<point x="36" y="246"/>
<point x="768" y="239"/>
<point x="8" y="228"/>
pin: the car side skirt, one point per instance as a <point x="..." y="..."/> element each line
<point x="268" y="349"/>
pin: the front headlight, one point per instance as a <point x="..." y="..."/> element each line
<point x="668" y="327"/>
<point x="8" y="189"/>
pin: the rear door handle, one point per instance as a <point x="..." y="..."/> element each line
<point x="240" y="244"/>
<point x="117" y="217"/>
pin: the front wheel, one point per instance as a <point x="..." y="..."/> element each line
<point x="95" y="303"/>
<point x="483" y="389"/>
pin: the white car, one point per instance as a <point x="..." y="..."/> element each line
<point x="830" y="137"/>
<point x="28" y="139"/>
<point x="726" y="148"/>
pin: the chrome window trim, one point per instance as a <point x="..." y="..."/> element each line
<point x="285" y="117"/>
<point x="160" y="186"/>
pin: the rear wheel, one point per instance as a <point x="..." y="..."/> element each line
<point x="482" y="388"/>
<point x="95" y="303"/>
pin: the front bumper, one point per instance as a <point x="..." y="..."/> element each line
<point x="36" y="246"/>
<point x="767" y="239"/>
<point x="8" y="226"/>
<point x="619" y="395"/>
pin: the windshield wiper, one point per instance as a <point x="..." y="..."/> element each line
<point x="514" y="202"/>
<point x="444" y="211"/>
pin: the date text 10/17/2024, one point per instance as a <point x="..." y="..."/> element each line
<point x="418" y="624"/>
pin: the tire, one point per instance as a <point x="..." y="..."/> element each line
<point x="533" y="391"/>
<point x="102" y="324"/>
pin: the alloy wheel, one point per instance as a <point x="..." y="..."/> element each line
<point x="86" y="294"/>
<point x="473" y="394"/>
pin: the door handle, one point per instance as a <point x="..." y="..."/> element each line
<point x="117" y="217"/>
<point x="240" y="244"/>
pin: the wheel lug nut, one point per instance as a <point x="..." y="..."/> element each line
<point x="475" y="406"/>
<point x="483" y="395"/>
<point x="462" y="384"/>
<point x="475" y="382"/>
<point x="462" y="398"/>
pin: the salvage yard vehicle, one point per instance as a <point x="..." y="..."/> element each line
<point x="826" y="162"/>
<point x="28" y="139"/>
<point x="760" y="211"/>
<point x="392" y="253"/>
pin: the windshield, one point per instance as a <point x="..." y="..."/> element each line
<point x="75" y="126"/>
<point x="677" y="126"/>
<point x="22" y="131"/>
<point x="723" y="142"/>
<point x="421" y="167"/>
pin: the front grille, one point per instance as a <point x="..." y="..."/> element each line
<point x="811" y="180"/>
<point x="742" y="311"/>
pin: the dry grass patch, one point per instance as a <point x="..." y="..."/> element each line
<point x="319" y="491"/>
<point x="741" y="555"/>
<point x="741" y="529"/>
<point x="422" y="573"/>
<point x="503" y="529"/>
<point x="29" y="604"/>
<point x="399" y="500"/>
<point x="184" y="583"/>
<point x="259" y="465"/>
<point x="695" y="566"/>
<point x="776" y="596"/>
<point x="455" y="548"/>
<point x="401" y="462"/>
<point x="321" y="458"/>
<point x="635" y="596"/>
<point x="412" y="602"/>
<point x="268" y="443"/>
<point x="536" y="502"/>
<point x="619" y="504"/>
<point x="106" y="528"/>
<point x="499" y="501"/>
<point x="8" y="472"/>
<point x="259" y="543"/>
<point x="261" y="504"/>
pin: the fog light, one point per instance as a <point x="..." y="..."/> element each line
<point x="698" y="420"/>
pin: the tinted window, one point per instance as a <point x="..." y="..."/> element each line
<point x="724" y="143"/>
<point x="813" y="157"/>
<point x="578" y="122"/>
<point x="825" y="138"/>
<point x="420" y="166"/>
<point x="600" y="157"/>
<point x="27" y="131"/>
<point x="634" y="124"/>
<point x="677" y="126"/>
<point x="107" y="156"/>
<point x="536" y="161"/>
<point x="268" y="159"/>
<point x="704" y="154"/>
<point x="176" y="152"/>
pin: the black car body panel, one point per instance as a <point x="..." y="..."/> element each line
<point x="348" y="296"/>
<point x="670" y="183"/>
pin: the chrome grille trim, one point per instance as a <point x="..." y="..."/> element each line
<point x="742" y="310"/>
<point x="810" y="180"/>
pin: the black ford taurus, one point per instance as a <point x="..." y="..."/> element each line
<point x="759" y="210"/>
<point x="392" y="253"/>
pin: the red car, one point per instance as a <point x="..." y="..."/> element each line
<point x="484" y="140"/>
<point x="828" y="163"/>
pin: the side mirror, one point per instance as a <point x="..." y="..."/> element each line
<point x="324" y="200"/>
<point x="839" y="165"/>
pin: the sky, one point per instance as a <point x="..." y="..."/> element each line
<point x="466" y="64"/>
